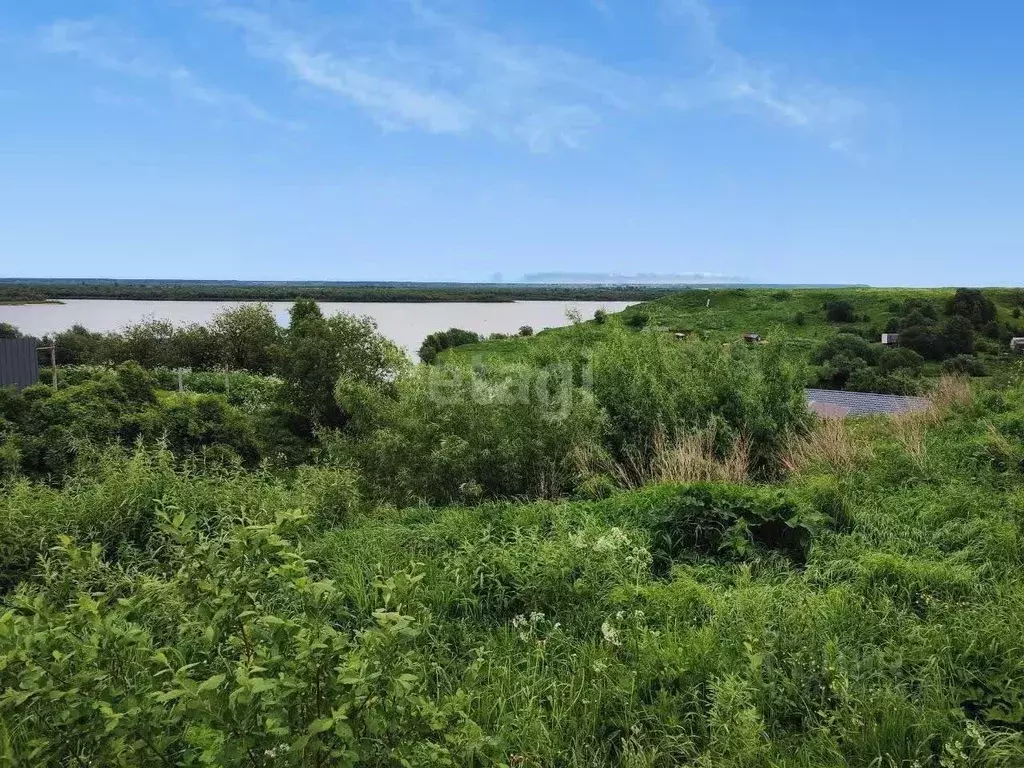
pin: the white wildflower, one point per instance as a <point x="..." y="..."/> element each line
<point x="611" y="634"/>
<point x="612" y="540"/>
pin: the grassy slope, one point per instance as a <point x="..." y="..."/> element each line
<point x="734" y="311"/>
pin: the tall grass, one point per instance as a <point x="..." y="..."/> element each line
<point x="693" y="458"/>
<point x="828" y="445"/>
<point x="951" y="392"/>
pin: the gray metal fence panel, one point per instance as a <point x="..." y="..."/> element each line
<point x="19" y="362"/>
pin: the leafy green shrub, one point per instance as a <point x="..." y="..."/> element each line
<point x="250" y="392"/>
<point x="437" y="342"/>
<point x="900" y="358"/>
<point x="839" y="311"/>
<point x="330" y="494"/>
<point x="137" y="383"/>
<point x="509" y="430"/>
<point x="924" y="340"/>
<point x="687" y="523"/>
<point x="525" y="330"/>
<point x="601" y="316"/>
<point x="849" y="345"/>
<point x="967" y="365"/>
<point x="114" y="498"/>
<point x="80" y="346"/>
<point x="194" y="423"/>
<point x="900" y="382"/>
<point x="55" y="426"/>
<point x="637" y="319"/>
<point x="958" y="335"/>
<point x="837" y="371"/>
<point x="653" y="388"/>
<point x="972" y="305"/>
<point x="10" y="458"/>
<point x="320" y="350"/>
<point x="248" y="338"/>
<point x="8" y="331"/>
<point x="235" y="653"/>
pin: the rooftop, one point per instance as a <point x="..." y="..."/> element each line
<point x="830" y="403"/>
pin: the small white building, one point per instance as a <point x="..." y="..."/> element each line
<point x="891" y="339"/>
<point x="1017" y="344"/>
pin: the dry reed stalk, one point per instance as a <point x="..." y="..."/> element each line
<point x="828" y="444"/>
<point x="950" y="392"/>
<point x="689" y="459"/>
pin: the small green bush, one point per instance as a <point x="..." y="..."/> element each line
<point x="967" y="365"/>
<point x="839" y="311"/>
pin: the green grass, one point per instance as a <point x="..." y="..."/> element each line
<point x="772" y="313"/>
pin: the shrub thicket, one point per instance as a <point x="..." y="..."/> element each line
<point x="437" y="342"/>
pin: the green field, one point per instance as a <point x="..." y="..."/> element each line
<point x="795" y="321"/>
<point x="773" y="312"/>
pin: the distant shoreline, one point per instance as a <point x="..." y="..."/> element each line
<point x="22" y="302"/>
<point x="43" y="291"/>
<point x="54" y="291"/>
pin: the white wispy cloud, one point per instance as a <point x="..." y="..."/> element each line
<point x="735" y="78"/>
<point x="408" y="66"/>
<point x="106" y="46"/>
<point x="457" y="79"/>
<point x="394" y="102"/>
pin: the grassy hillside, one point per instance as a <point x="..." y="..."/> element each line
<point x="796" y="320"/>
<point x="770" y="311"/>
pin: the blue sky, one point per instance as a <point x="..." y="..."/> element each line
<point x="776" y="140"/>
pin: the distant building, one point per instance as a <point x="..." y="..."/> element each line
<point x="19" y="363"/>
<point x="680" y="336"/>
<point x="1017" y="344"/>
<point x="752" y="338"/>
<point x="891" y="339"/>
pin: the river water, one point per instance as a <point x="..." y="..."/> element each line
<point x="404" y="323"/>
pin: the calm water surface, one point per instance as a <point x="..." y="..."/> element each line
<point x="405" y="324"/>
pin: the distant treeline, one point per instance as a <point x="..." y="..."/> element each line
<point x="19" y="291"/>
